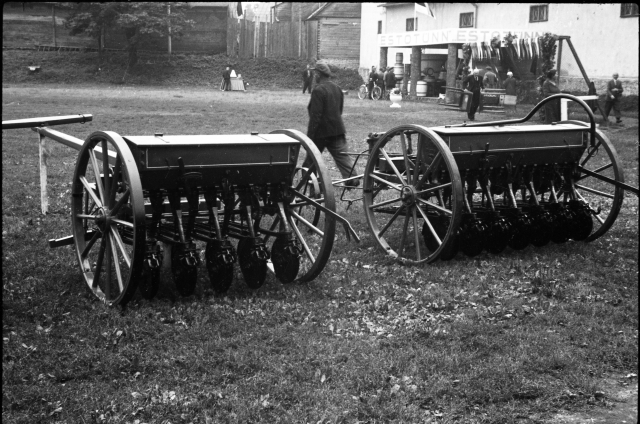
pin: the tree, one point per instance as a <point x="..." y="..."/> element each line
<point x="137" y="21"/>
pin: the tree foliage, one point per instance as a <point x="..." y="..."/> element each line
<point x="137" y="21"/>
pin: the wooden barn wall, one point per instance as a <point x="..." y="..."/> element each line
<point x="208" y="34"/>
<point x="339" y="38"/>
<point x="34" y="25"/>
<point x="312" y="39"/>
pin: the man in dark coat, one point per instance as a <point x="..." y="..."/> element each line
<point x="390" y="80"/>
<point x="373" y="78"/>
<point x="226" y="77"/>
<point x="326" y="127"/>
<point x="307" y="79"/>
<point x="490" y="79"/>
<point x="614" y="93"/>
<point x="474" y="84"/>
<point x="381" y="82"/>
<point x="552" y="108"/>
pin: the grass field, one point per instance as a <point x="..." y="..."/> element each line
<point x="512" y="338"/>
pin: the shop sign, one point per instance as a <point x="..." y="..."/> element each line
<point x="451" y="35"/>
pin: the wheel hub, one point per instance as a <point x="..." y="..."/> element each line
<point x="102" y="219"/>
<point x="408" y="194"/>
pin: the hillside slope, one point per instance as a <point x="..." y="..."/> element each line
<point x="158" y="69"/>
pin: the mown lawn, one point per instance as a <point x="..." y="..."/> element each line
<point x="504" y="338"/>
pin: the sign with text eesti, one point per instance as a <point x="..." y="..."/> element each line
<point x="451" y="35"/>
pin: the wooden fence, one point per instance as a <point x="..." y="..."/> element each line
<point x="265" y="39"/>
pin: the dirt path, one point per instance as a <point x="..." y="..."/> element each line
<point x="621" y="398"/>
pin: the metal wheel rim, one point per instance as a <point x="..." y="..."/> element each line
<point x="377" y="93"/>
<point x="313" y="262"/>
<point x="602" y="225"/>
<point x="98" y="206"/>
<point x="362" y="92"/>
<point x="456" y="198"/>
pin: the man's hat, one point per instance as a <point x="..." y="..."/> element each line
<point x="323" y="68"/>
<point x="488" y="68"/>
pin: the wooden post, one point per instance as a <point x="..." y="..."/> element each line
<point x="559" y="60"/>
<point x="383" y="57"/>
<point x="169" y="37"/>
<point x="405" y="80"/>
<point x="452" y="58"/>
<point x="44" y="156"/>
<point x="416" y="57"/>
<point x="53" y="13"/>
<point x="299" y="32"/>
<point x="584" y="75"/>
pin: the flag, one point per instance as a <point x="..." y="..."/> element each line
<point x="239" y="8"/>
<point x="424" y="8"/>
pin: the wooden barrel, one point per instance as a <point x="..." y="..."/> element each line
<point x="398" y="70"/>
<point x="421" y="89"/>
<point x="399" y="58"/>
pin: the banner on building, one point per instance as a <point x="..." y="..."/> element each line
<point x="451" y="35"/>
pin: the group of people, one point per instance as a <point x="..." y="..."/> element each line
<point x="385" y="79"/>
<point x="475" y="83"/>
<point x="552" y="108"/>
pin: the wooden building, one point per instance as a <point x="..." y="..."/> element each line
<point x="312" y="31"/>
<point x="337" y="33"/>
<point x="605" y="37"/>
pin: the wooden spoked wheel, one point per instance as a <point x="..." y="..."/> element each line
<point x="591" y="187"/>
<point x="413" y="195"/>
<point x="312" y="227"/>
<point x="108" y="218"/>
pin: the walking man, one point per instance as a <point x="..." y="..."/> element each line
<point x="474" y="84"/>
<point x="226" y="79"/>
<point x="373" y="78"/>
<point x="307" y="79"/>
<point x="326" y="127"/>
<point x="614" y="93"/>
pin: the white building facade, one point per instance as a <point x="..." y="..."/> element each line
<point x="605" y="36"/>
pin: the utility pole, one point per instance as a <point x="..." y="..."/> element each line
<point x="169" y="38"/>
<point x="53" y="13"/>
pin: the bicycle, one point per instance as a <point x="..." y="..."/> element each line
<point x="363" y="92"/>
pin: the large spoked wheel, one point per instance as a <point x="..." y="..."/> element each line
<point x="362" y="92"/>
<point x="413" y="195"/>
<point x="313" y="228"/>
<point x="377" y="93"/>
<point x="592" y="188"/>
<point x="108" y="218"/>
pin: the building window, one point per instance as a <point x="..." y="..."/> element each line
<point x="412" y="25"/>
<point x="628" y="9"/>
<point x="466" y="20"/>
<point x="539" y="13"/>
<point x="379" y="27"/>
